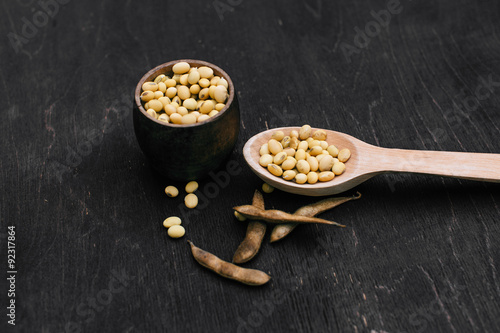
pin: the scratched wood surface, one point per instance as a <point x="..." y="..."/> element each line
<point x="419" y="254"/>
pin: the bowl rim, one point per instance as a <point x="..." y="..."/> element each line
<point x="157" y="70"/>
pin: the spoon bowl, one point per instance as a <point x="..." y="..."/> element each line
<point x="367" y="161"/>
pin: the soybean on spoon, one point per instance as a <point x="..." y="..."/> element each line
<point x="367" y="161"/>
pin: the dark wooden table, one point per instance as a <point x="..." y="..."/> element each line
<point x="419" y="254"/>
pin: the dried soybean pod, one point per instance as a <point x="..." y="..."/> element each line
<point x="278" y="216"/>
<point x="252" y="277"/>
<point x="254" y="236"/>
<point x="282" y="230"/>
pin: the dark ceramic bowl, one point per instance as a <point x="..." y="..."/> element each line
<point x="187" y="152"/>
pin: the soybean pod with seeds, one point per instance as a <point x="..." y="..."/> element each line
<point x="251" y="277"/>
<point x="254" y="235"/>
<point x="282" y="230"/>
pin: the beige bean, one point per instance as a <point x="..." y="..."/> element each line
<point x="206" y="72"/>
<point x="193" y="77"/>
<point x="203" y="94"/>
<point x="206" y="107"/>
<point x="264" y="149"/>
<point x="323" y="145"/>
<point x="171" y="191"/>
<point x="183" y="92"/>
<point x="316" y="150"/>
<point x="294" y="142"/>
<point x="266" y="188"/>
<point x="213" y="113"/>
<point x="160" y="78"/>
<point x="301" y="178"/>
<point x="314" y="143"/>
<point x="319" y="135"/>
<point x="191" y="186"/>
<point x="303" y="166"/>
<point x="220" y="94"/>
<point x="211" y="91"/>
<point x="265" y="160"/>
<point x="278" y="135"/>
<point x="191" y="200"/>
<point x="223" y="82"/>
<point x="171" y="92"/>
<point x="300" y="154"/>
<point x="289" y="174"/>
<point x="202" y="117"/>
<point x="182" y="111"/>
<point x="294" y="134"/>
<point x="219" y="106"/>
<point x="152" y="113"/>
<point x="189" y="104"/>
<point x="188" y="119"/>
<point x="289" y="151"/>
<point x="344" y="154"/>
<point x="289" y="163"/>
<point x="285" y="142"/>
<point x="171" y="221"/>
<point x="195" y="89"/>
<point x="177" y="100"/>
<point x="163" y="117"/>
<point x="325" y="176"/>
<point x="164" y="100"/>
<point x="215" y="80"/>
<point x="275" y="169"/>
<point x="275" y="147"/>
<point x="150" y="86"/>
<point x="184" y="80"/>
<point x="313" y="163"/>
<point x="162" y="87"/>
<point x="312" y="177"/>
<point x="170" y="83"/>
<point x="181" y="67"/>
<point x="169" y="109"/>
<point x="176" y="118"/>
<point x="338" y="168"/>
<point x="176" y="231"/>
<point x="279" y="158"/>
<point x="303" y="145"/>
<point x="146" y="96"/>
<point x="332" y="150"/>
<point x="326" y="163"/>
<point x="305" y="132"/>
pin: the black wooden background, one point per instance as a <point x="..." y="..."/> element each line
<point x="420" y="253"/>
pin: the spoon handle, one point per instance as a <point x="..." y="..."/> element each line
<point x="475" y="166"/>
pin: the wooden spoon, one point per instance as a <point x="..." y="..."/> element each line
<point x="367" y="161"/>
